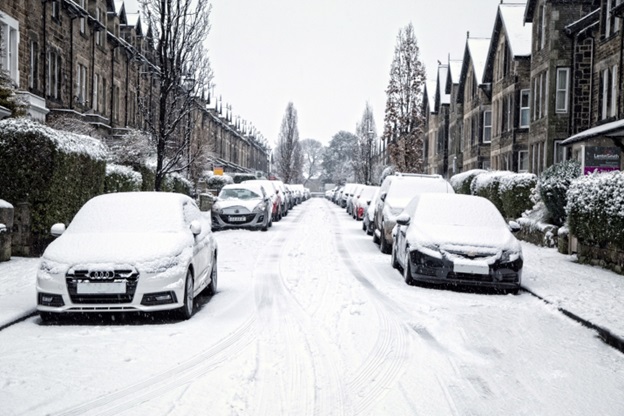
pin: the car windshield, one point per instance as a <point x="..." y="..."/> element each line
<point x="458" y="210"/>
<point x="129" y="213"/>
<point x="238" y="193"/>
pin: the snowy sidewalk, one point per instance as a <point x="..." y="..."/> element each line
<point x="591" y="293"/>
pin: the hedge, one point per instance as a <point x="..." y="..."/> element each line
<point x="461" y="181"/>
<point x="174" y="182"/>
<point x="515" y="193"/>
<point x="122" y="179"/>
<point x="554" y="184"/>
<point x="55" y="171"/>
<point x="595" y="209"/>
<point x="487" y="185"/>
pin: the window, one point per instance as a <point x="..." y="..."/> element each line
<point x="605" y="92"/>
<point x="614" y="91"/>
<point x="535" y="93"/>
<point x="98" y="29"/>
<point x="9" y="29"/>
<point x="81" y="84"/>
<point x="55" y="9"/>
<point x="523" y="161"/>
<point x="561" y="153"/>
<point x="33" y="70"/>
<point x="53" y="75"/>
<point x="487" y="126"/>
<point x="562" y="93"/>
<point x="96" y="87"/>
<point x="543" y="27"/>
<point x="525" y="110"/>
<point x="104" y="95"/>
<point x="82" y="19"/>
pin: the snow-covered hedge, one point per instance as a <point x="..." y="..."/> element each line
<point x="240" y="177"/>
<point x="174" y="182"/>
<point x="487" y="185"/>
<point x="595" y="209"/>
<point x="218" y="181"/>
<point x="515" y="193"/>
<point x="554" y="184"/>
<point x="55" y="171"/>
<point x="461" y="181"/>
<point x="122" y="179"/>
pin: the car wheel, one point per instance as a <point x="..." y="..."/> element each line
<point x="265" y="227"/>
<point x="407" y="273"/>
<point x="369" y="228"/>
<point x="375" y="238"/>
<point x="363" y="226"/>
<point x="186" y="311"/>
<point x="211" y="289"/>
<point x="395" y="263"/>
<point x="383" y="243"/>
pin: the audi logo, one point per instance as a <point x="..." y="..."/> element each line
<point x="102" y="274"/>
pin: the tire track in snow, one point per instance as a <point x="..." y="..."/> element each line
<point x="186" y="372"/>
<point x="384" y="363"/>
<point x="304" y="350"/>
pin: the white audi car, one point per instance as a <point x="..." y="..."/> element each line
<point x="129" y="252"/>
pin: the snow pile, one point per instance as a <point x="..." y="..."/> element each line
<point x="65" y="141"/>
<point x="595" y="208"/>
<point x="5" y="204"/>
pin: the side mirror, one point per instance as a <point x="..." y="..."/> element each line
<point x="514" y="227"/>
<point x="368" y="202"/>
<point x="196" y="227"/>
<point x="57" y="229"/>
<point x="382" y="196"/>
<point x="403" y="219"/>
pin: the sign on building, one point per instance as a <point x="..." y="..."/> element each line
<point x="218" y="170"/>
<point x="600" y="159"/>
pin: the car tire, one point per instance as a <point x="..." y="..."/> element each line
<point x="265" y="227"/>
<point x="375" y="238"/>
<point x="407" y="273"/>
<point x="369" y="229"/>
<point x="363" y="226"/>
<point x="211" y="289"/>
<point x="186" y="311"/>
<point x="383" y="243"/>
<point x="393" y="258"/>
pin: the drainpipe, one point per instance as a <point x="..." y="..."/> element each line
<point x="127" y="86"/>
<point x="619" y="100"/>
<point x="45" y="45"/>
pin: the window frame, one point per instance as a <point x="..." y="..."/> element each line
<point x="525" y="159"/>
<point x="487" y="127"/>
<point x="526" y="109"/>
<point x="565" y="91"/>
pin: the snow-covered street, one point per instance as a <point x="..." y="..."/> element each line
<point x="311" y="319"/>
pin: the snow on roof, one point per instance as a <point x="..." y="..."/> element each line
<point x="65" y="141"/>
<point x="430" y="87"/>
<point x="5" y="204"/>
<point x="478" y="48"/>
<point x="595" y="132"/>
<point x="443" y="71"/>
<point x="518" y="33"/>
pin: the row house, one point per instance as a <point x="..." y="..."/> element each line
<point x="91" y="61"/>
<point x="456" y="118"/>
<point x="508" y="76"/>
<point x="597" y="128"/>
<point x="477" y="109"/>
<point x="437" y="124"/>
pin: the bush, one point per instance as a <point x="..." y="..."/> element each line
<point x="240" y="177"/>
<point x="174" y="182"/>
<point x="554" y="184"/>
<point x="55" y="171"/>
<point x="515" y="193"/>
<point x="595" y="209"/>
<point x="486" y="184"/>
<point x="122" y="179"/>
<point x="461" y="181"/>
<point x="217" y="182"/>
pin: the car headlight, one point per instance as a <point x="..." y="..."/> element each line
<point x="216" y="208"/>
<point x="260" y="208"/>
<point x="49" y="269"/>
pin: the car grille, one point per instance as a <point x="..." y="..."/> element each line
<point x="128" y="276"/>
<point x="469" y="276"/>
<point x="248" y="218"/>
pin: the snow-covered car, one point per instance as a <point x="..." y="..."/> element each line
<point x="129" y="252"/>
<point x="243" y="205"/>
<point x="461" y="240"/>
<point x="368" y="223"/>
<point x="276" y="200"/>
<point x="362" y="200"/>
<point x="352" y="197"/>
<point x="395" y="195"/>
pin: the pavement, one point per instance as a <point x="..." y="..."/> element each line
<point x="588" y="294"/>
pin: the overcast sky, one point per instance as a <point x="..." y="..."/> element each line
<point x="329" y="57"/>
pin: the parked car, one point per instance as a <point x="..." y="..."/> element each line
<point x="283" y="195"/>
<point x="125" y="252"/>
<point x="352" y="197"/>
<point x="363" y="200"/>
<point x="244" y="205"/>
<point x="456" y="239"/>
<point x="396" y="191"/>
<point x="346" y="193"/>
<point x="368" y="224"/>
<point x="276" y="201"/>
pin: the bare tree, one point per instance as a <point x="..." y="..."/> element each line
<point x="404" y="119"/>
<point x="288" y="156"/>
<point x="366" y="132"/>
<point x="312" y="151"/>
<point x="182" y="68"/>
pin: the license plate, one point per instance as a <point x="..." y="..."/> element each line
<point x="97" y="288"/>
<point x="238" y="219"/>
<point x="471" y="266"/>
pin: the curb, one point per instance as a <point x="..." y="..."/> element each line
<point x="28" y="314"/>
<point x="605" y="335"/>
